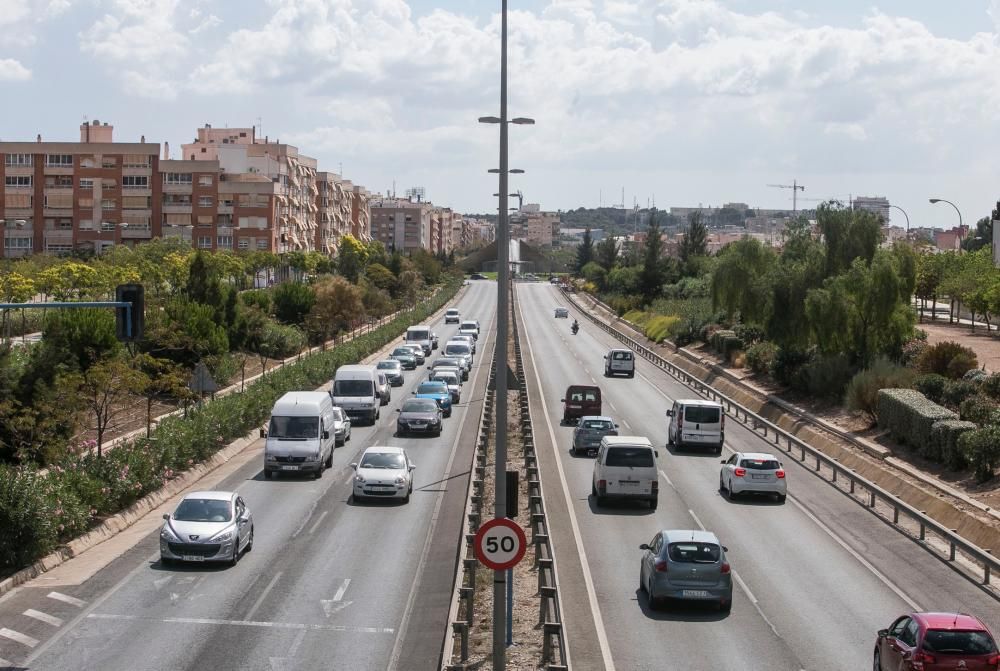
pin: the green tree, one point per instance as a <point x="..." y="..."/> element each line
<point x="159" y="380"/>
<point x="184" y="332"/>
<point x="606" y="253"/>
<point x="428" y="266"/>
<point x="929" y="276"/>
<point x="105" y="389"/>
<point x="352" y="257"/>
<point x="293" y="301"/>
<point x="742" y="281"/>
<point x="651" y="277"/>
<point x="381" y="277"/>
<point x="338" y="305"/>
<point x="695" y="240"/>
<point x="848" y="235"/>
<point x="594" y="272"/>
<point x="203" y="285"/>
<point x="981" y="237"/>
<point x="585" y="252"/>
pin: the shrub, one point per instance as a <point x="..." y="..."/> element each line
<point x="259" y="298"/>
<point x="825" y="377"/>
<point x="914" y="347"/>
<point x="659" y="328"/>
<point x="293" y="301"/>
<point x="976" y="376"/>
<point x="707" y="331"/>
<point x="623" y="304"/>
<point x="909" y="416"/>
<point x="931" y="385"/>
<point x="749" y="333"/>
<point x="979" y="409"/>
<point x="862" y="391"/>
<point x="787" y="363"/>
<point x="956" y="391"/>
<point x="725" y="342"/>
<point x="760" y="356"/>
<point x="982" y="449"/>
<point x="946" y="358"/>
<point x="637" y="317"/>
<point x="991" y="386"/>
<point x="943" y="445"/>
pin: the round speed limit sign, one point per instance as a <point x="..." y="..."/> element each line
<point x="500" y="544"/>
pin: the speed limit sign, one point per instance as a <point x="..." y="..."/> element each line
<point x="500" y="544"/>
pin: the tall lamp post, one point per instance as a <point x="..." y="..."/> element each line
<point x="907" y="219"/>
<point x="501" y="363"/>
<point x="934" y="201"/>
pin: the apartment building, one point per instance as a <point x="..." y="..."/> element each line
<point x="877" y="204"/>
<point x="335" y="200"/>
<point x="90" y="194"/>
<point x="361" y="214"/>
<point x="534" y="226"/>
<point x="400" y="224"/>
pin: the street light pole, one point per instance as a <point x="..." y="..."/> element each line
<point x="907" y="220"/>
<point x="942" y="200"/>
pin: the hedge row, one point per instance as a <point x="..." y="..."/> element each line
<point x="933" y="431"/>
<point x="725" y="341"/>
<point x="38" y="511"/>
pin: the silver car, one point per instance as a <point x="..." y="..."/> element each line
<point x="467" y="338"/>
<point x="461" y="363"/>
<point x="588" y="433"/>
<point x="341" y="426"/>
<point x="418" y="352"/>
<point x="383" y="472"/>
<point x="383" y="387"/>
<point x="207" y="526"/>
<point x="753" y="473"/>
<point x="451" y="377"/>
<point x="686" y="564"/>
<point x="393" y="371"/>
<point x="562" y="313"/>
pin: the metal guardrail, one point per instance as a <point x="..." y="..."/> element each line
<point x="870" y="493"/>
<point x="549" y="615"/>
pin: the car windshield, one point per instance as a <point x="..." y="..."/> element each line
<point x="622" y="356"/>
<point x="388" y="365"/>
<point x="701" y="414"/>
<point x="601" y="424"/>
<point x="448" y="361"/>
<point x="353" y="388"/>
<point x="635" y="457"/>
<point x="402" y="351"/>
<point x="432" y="388"/>
<point x="293" y="428"/>
<point x="952" y="642"/>
<point x="391" y="460"/>
<point x="760" y="464"/>
<point x="456" y="349"/>
<point x="422" y="334"/>
<point x="447" y="378"/>
<point x="203" y="510"/>
<point x="419" y="405"/>
<point x="469" y="325"/>
<point x="698" y="553"/>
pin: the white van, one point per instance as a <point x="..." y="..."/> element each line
<point x="459" y="348"/>
<point x="618" y="362"/>
<point x="420" y="335"/>
<point x="626" y="469"/>
<point x="696" y="423"/>
<point x="300" y="437"/>
<point x="355" y="389"/>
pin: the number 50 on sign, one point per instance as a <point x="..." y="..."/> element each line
<point x="500" y="544"/>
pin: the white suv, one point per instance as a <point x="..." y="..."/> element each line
<point x="451" y="316"/>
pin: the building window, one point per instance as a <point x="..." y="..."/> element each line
<point x="176" y="178"/>
<point x="135" y="182"/>
<point x="59" y="182"/>
<point x="86" y="183"/>
<point x="176" y="200"/>
<point x="261" y="244"/>
<point x="17" y="243"/>
<point x="17" y="181"/>
<point x="109" y="204"/>
<point x="224" y="241"/>
<point x="205" y="222"/>
<point x="109" y="162"/>
<point x="225" y="220"/>
<point x="225" y="201"/>
<point x="108" y="226"/>
<point x="18" y="160"/>
<point x="58" y="247"/>
<point x="204" y="180"/>
<point x="85" y="202"/>
<point x="59" y="160"/>
<point x="136" y="202"/>
<point x="244" y="243"/>
<point x="204" y="201"/>
<point x="205" y="241"/>
<point x="135" y="161"/>
<point x="62" y="202"/>
<point x="108" y="184"/>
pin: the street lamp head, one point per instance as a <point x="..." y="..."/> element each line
<point x="494" y="170"/>
<point x="523" y="121"/>
<point x="935" y="200"/>
<point x="516" y="171"/>
<point x="489" y="119"/>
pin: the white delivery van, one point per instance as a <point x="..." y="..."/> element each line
<point x="420" y="335"/>
<point x="626" y="469"/>
<point x="355" y="390"/>
<point x="300" y="436"/>
<point x="619" y="361"/>
<point x="696" y="423"/>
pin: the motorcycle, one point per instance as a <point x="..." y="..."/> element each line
<point x="574" y="328"/>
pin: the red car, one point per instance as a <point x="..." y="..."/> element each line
<point x="936" y="641"/>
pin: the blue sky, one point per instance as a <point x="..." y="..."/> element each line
<point x="681" y="101"/>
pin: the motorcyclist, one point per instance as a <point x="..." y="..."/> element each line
<point x="576" y="326"/>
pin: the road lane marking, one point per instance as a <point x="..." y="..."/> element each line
<point x="243" y="623"/>
<point x="263" y="595"/>
<point x="335" y="605"/>
<point x="397" y="646"/>
<point x="664" y="476"/>
<point x="343" y="588"/>
<point x="18" y="637"/>
<point x="320" y="520"/>
<point x="73" y="601"/>
<point x="160" y="582"/>
<point x="602" y="636"/>
<point x="44" y="617"/>
<point x="864" y="562"/>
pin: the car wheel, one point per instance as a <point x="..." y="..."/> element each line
<point x="318" y="473"/>
<point x="406" y="499"/>
<point x="877" y="662"/>
<point x="652" y="504"/>
<point x="268" y="474"/>
<point x="593" y="490"/>
<point x="729" y="491"/>
<point x="631" y="374"/>
<point x="348" y="437"/>
<point x="236" y="554"/>
<point x="781" y="498"/>
<point x="670" y="438"/>
<point x="653" y="600"/>
<point x="329" y="461"/>
<point x="725" y="606"/>
<point x="722" y="485"/>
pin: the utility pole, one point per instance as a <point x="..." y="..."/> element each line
<point x="795" y="187"/>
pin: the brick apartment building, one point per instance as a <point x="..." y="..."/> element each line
<point x="402" y="225"/>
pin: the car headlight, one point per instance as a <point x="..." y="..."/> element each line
<point x="224" y="536"/>
<point x="400" y="480"/>
<point x="168" y="535"/>
<point x="271" y="457"/>
<point x="359" y="479"/>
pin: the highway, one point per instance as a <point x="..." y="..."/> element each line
<point x="816" y="577"/>
<point x="328" y="585"/>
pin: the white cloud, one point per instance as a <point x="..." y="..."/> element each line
<point x="210" y="21"/>
<point x="13" y="71"/>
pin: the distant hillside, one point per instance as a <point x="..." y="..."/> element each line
<point x="613" y="221"/>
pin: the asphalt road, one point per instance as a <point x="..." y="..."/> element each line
<point x="816" y="576"/>
<point x="329" y="584"/>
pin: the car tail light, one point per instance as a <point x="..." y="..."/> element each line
<point x="993" y="661"/>
<point x="655" y="487"/>
<point x="725" y="568"/>
<point x="661" y="566"/>
<point x="779" y="473"/>
<point x="602" y="484"/>
<point x="740" y="472"/>
<point x="920" y="658"/>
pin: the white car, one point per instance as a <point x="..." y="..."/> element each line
<point x="466" y="338"/>
<point x="211" y="526"/>
<point x="451" y="316"/>
<point x="753" y="473"/>
<point x="562" y="313"/>
<point x="383" y="472"/>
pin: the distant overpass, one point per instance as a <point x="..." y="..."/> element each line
<point x="523" y="258"/>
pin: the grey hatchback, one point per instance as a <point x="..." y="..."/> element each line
<point x="685" y="564"/>
<point x="588" y="433"/>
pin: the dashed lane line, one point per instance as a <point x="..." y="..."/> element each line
<point x="263" y="595"/>
<point x="320" y="520"/>
<point x="73" y="601"/>
<point x="44" y="617"/>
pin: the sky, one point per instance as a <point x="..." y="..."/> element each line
<point x="676" y="102"/>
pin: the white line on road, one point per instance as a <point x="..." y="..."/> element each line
<point x="244" y="623"/>
<point x="73" y="601"/>
<point x="160" y="582"/>
<point x="19" y="637"/>
<point x="263" y="595"/>
<point x="864" y="562"/>
<point x="44" y="617"/>
<point x="595" y="610"/>
<point x="626" y="424"/>
<point x="319" y="521"/>
<point x="342" y="589"/>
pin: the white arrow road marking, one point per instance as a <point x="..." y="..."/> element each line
<point x="44" y="617"/>
<point x="160" y="582"/>
<point x="73" y="601"/>
<point x="19" y="637"/>
<point x="335" y="605"/>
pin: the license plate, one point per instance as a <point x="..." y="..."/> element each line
<point x="694" y="593"/>
<point x="289" y="468"/>
<point x="382" y="487"/>
<point x="192" y="558"/>
<point x="418" y="425"/>
<point x="628" y="482"/>
<point x="761" y="477"/>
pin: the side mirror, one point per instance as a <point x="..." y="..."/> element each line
<point x="605" y="356"/>
<point x="166" y="516"/>
<point x="562" y="400"/>
<point x="326" y="435"/>
<point x="399" y="410"/>
<point x="723" y="461"/>
<point x="354" y="465"/>
<point x="617" y="427"/>
<point x="413" y="467"/>
<point x="670" y="413"/>
<point x="882" y="633"/>
<point x="263" y="433"/>
<point x="725" y="549"/>
<point x="656" y="454"/>
<point x="644" y="546"/>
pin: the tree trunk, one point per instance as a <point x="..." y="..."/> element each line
<point x="951" y="310"/>
<point x="149" y="415"/>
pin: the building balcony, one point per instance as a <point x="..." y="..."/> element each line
<point x="19" y="213"/>
<point x="223" y="230"/>
<point x="224" y="209"/>
<point x="136" y="231"/>
<point x="57" y="170"/>
<point x="57" y="212"/>
<point x="178" y="188"/>
<point x="176" y="209"/>
<point x="136" y="190"/>
<point x="135" y="170"/>
<point x="59" y="190"/>
<point x="59" y="235"/>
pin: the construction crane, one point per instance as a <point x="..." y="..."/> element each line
<point x="795" y="187"/>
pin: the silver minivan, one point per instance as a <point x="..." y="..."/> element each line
<point x="696" y="423"/>
<point x="626" y="469"/>
<point x="301" y="435"/>
<point x="619" y="362"/>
